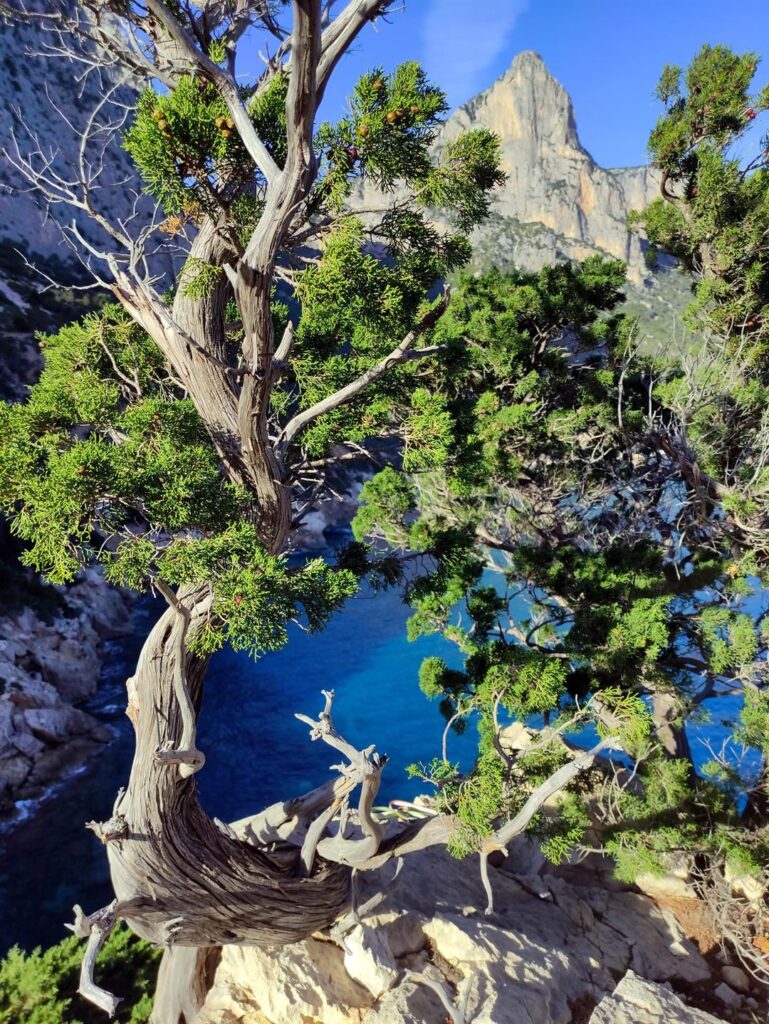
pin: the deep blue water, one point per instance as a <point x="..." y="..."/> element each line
<point x="50" y="862"/>
<point x="256" y="751"/>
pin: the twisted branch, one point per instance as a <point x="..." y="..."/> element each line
<point x="186" y="755"/>
<point x="96" y="928"/>
<point x="364" y="770"/>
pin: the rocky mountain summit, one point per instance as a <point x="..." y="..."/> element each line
<point x="557" y="202"/>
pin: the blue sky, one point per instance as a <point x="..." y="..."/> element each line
<point x="607" y="53"/>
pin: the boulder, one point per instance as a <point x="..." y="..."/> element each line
<point x="27" y="744"/>
<point x="668" y="886"/>
<point x="303" y="982"/>
<point x="728" y="996"/>
<point x="736" y="978"/>
<point x="15" y="771"/>
<point x="752" y="887"/>
<point x="57" y="724"/>
<point x="368" y="959"/>
<point x="637" y="1001"/>
<point x="72" y="663"/>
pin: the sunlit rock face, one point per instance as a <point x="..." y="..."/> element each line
<point x="549" y="953"/>
<point x="557" y="202"/>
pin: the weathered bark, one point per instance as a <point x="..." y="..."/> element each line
<point x="669" y="729"/>
<point x="184" y="979"/>
<point x="185" y="881"/>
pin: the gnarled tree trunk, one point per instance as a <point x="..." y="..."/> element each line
<point x="178" y="878"/>
<point x="185" y="977"/>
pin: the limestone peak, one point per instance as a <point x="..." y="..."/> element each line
<point x="526" y="101"/>
<point x="557" y="202"/>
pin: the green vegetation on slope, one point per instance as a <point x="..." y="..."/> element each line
<point x="41" y="987"/>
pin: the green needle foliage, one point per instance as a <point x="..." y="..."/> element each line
<point x="110" y="460"/>
<point x="589" y="528"/>
<point x="714" y="216"/>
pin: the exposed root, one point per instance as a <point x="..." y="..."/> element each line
<point x="484" y="859"/>
<point x="457" y="1011"/>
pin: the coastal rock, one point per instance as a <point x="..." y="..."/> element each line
<point x="70" y="662"/>
<point x="549" y="946"/>
<point x="109" y="614"/>
<point x="636" y="1001"/>
<point x="49" y="662"/>
<point x="728" y="996"/>
<point x="56" y="724"/>
<point x="368" y="959"/>
<point x="305" y="982"/>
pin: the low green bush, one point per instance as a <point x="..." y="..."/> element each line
<point x="41" y="987"/>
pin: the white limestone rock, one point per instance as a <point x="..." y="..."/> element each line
<point x="303" y="982"/>
<point x="636" y="1001"/>
<point x="368" y="959"/>
<point x="557" y="203"/>
<point x="533" y="959"/>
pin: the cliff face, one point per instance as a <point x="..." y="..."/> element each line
<point x="557" y="202"/>
<point x="50" y="658"/>
<point x="50" y="641"/>
<point x="40" y="94"/>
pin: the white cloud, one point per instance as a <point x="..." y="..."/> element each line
<point x="462" y="39"/>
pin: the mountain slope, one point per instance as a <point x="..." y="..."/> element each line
<point x="557" y="202"/>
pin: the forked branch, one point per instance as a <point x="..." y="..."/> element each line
<point x="364" y="770"/>
<point x="400" y="354"/>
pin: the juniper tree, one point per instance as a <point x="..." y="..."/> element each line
<point x="602" y="517"/>
<point x="178" y="437"/>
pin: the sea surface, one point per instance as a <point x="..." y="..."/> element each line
<point x="256" y="751"/>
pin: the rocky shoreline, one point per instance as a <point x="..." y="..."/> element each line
<point x="49" y="665"/>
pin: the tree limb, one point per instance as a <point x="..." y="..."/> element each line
<point x="342" y="31"/>
<point x="400" y="354"/>
<point x="96" y="927"/>
<point x="226" y="85"/>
